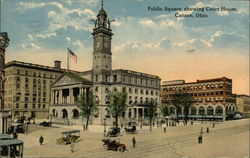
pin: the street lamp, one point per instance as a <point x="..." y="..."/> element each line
<point x="51" y="117"/>
<point x="104" y="124"/>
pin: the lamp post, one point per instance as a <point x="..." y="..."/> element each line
<point x="104" y="124"/>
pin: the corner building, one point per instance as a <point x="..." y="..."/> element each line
<point x="213" y="98"/>
<point x="140" y="87"/>
<point x="28" y="88"/>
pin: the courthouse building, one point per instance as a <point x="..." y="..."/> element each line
<point x="102" y="79"/>
<point x="28" y="88"/>
<point x="213" y="98"/>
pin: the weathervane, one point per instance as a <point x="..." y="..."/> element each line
<point x="102" y="4"/>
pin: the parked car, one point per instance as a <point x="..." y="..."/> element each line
<point x="130" y="130"/>
<point x="113" y="132"/>
<point x="16" y="128"/>
<point x="68" y="137"/>
<point x="46" y="124"/>
<point x="113" y="145"/>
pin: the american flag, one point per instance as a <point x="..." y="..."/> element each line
<point x="72" y="55"/>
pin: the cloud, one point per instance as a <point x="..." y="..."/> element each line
<point x="167" y="23"/>
<point x="147" y="22"/>
<point x="30" y="37"/>
<point x="68" y="39"/>
<point x="32" y="46"/>
<point x="51" y="14"/>
<point x="31" y="5"/>
<point x="117" y="23"/>
<point x="44" y="36"/>
<point x="127" y="47"/>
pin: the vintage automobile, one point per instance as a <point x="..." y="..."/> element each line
<point x="113" y="145"/>
<point x="68" y="137"/>
<point x="46" y="124"/>
<point x="131" y="130"/>
<point x="113" y="132"/>
<point x="16" y="128"/>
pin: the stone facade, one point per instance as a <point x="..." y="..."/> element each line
<point x="213" y="98"/>
<point x="28" y="88"/>
<point x="243" y="105"/>
<point x="140" y="87"/>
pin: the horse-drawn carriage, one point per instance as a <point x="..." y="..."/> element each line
<point x="68" y="137"/>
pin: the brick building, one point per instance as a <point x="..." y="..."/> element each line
<point x="213" y="98"/>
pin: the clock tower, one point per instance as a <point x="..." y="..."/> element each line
<point x="102" y="35"/>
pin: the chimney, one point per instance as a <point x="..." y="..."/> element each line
<point x="57" y="64"/>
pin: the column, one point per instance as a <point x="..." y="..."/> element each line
<point x="137" y="112"/>
<point x="60" y="97"/>
<point x="71" y="97"/>
<point x="52" y="97"/>
<point x="132" y="113"/>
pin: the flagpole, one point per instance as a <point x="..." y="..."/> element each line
<point x="68" y="60"/>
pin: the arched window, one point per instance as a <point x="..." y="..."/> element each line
<point x="75" y="114"/>
<point x="201" y="110"/>
<point x="193" y="110"/>
<point x="219" y="111"/>
<point x="210" y="111"/>
<point x="64" y="113"/>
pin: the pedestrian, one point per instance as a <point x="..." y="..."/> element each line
<point x="15" y="135"/>
<point x="165" y="129"/>
<point x="41" y="139"/>
<point x="207" y="129"/>
<point x="133" y="141"/>
<point x="72" y="145"/>
<point x="192" y="122"/>
<point x="213" y="125"/>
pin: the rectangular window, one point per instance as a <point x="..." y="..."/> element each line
<point x="141" y="91"/>
<point x="115" y="78"/>
<point x="136" y="91"/>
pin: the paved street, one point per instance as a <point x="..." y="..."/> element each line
<point x="227" y="139"/>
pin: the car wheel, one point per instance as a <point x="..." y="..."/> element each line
<point x="120" y="149"/>
<point x="105" y="146"/>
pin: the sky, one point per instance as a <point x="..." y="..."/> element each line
<point x="154" y="42"/>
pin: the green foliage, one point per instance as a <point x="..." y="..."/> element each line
<point x="86" y="104"/>
<point x="152" y="109"/>
<point x="182" y="100"/>
<point x="117" y="102"/>
<point x="165" y="109"/>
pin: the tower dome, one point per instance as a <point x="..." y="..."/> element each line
<point x="102" y="12"/>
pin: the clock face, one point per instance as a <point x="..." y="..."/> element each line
<point x="3" y="42"/>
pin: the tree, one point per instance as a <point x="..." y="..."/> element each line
<point x="165" y="109"/>
<point x="117" y="102"/>
<point x="86" y="104"/>
<point x="187" y="102"/>
<point x="152" y="108"/>
<point x="177" y="102"/>
<point x="182" y="100"/>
